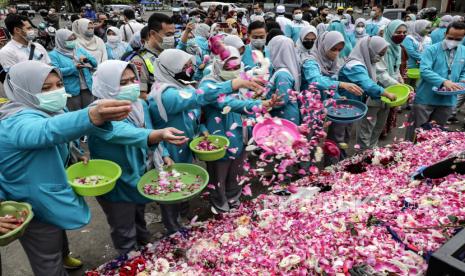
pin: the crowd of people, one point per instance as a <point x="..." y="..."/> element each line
<point x="136" y="93"/>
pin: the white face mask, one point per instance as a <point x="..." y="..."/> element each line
<point x="257" y="43"/>
<point x="30" y="35"/>
<point x="298" y="16"/>
<point x="229" y="75"/>
<point x="168" y="42"/>
<point x="113" y="38"/>
<point x="53" y="101"/>
<point x="360" y="30"/>
<point x="451" y="44"/>
<point x="372" y="14"/>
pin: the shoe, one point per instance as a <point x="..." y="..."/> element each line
<point x="72" y="263"/>
<point x="452" y="120"/>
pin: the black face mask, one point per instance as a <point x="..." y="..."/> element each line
<point x="308" y="44"/>
<point x="340" y="12"/>
<point x="183" y="76"/>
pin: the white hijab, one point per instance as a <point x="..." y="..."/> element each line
<point x="106" y="85"/>
<point x="169" y="63"/>
<point x="234" y="41"/>
<point x="303" y="52"/>
<point x="284" y="56"/>
<point x="94" y="45"/>
<point x="323" y="44"/>
<point x="23" y="81"/>
<point x="365" y="50"/>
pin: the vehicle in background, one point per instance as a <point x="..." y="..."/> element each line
<point x="232" y="6"/>
<point x="26" y="10"/>
<point x="393" y="14"/>
<point x="119" y="8"/>
<point x="290" y="5"/>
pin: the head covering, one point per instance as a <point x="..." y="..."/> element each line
<point x="445" y="21"/>
<point x="202" y="30"/>
<point x="456" y="18"/>
<point x="234" y="41"/>
<point x="418" y="27"/>
<point x="365" y="50"/>
<point x="79" y="27"/>
<point x="23" y="81"/>
<point x="168" y="63"/>
<point x="218" y="64"/>
<point x="60" y="46"/>
<point x="117" y="33"/>
<point x="106" y="85"/>
<point x="303" y="52"/>
<point x="348" y="24"/>
<point x="338" y="26"/>
<point x="284" y="56"/>
<point x="323" y="44"/>
<point x="136" y="41"/>
<point x="394" y="52"/>
<point x="321" y="28"/>
<point x="357" y="21"/>
<point x="119" y="47"/>
<point x="412" y="16"/>
<point x="410" y="27"/>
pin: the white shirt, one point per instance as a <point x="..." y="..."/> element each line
<point x="283" y="21"/>
<point x="129" y="29"/>
<point x="14" y="52"/>
<point x="383" y="21"/>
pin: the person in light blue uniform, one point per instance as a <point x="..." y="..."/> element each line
<point x="442" y="66"/>
<point x="360" y="30"/>
<point x="286" y="77"/>
<point x="129" y="145"/>
<point x="387" y="74"/>
<point x="413" y="43"/>
<point x="438" y="34"/>
<point x="257" y="34"/>
<point x="336" y="25"/>
<point x="116" y="47"/>
<point x="224" y="173"/>
<point x="35" y="133"/>
<point x="74" y="64"/>
<point x="173" y="102"/>
<point x="293" y="30"/>
<point x="320" y="65"/>
<point x="360" y="70"/>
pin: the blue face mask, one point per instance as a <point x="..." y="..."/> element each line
<point x="70" y="44"/>
<point x="53" y="101"/>
<point x="130" y="92"/>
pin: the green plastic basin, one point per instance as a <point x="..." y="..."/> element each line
<point x="17" y="210"/>
<point x="190" y="174"/>
<point x="401" y="91"/>
<point x="108" y="169"/>
<point x="220" y="141"/>
<point x="413" y="73"/>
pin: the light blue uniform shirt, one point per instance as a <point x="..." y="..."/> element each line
<point x="183" y="111"/>
<point x="438" y="35"/>
<point x="434" y="71"/>
<point x="311" y="72"/>
<point x="414" y="55"/>
<point x="293" y="30"/>
<point x="33" y="157"/>
<point x="239" y="108"/>
<point x="247" y="57"/>
<point x="67" y="67"/>
<point x="358" y="75"/>
<point x="127" y="145"/>
<point x="283" y="81"/>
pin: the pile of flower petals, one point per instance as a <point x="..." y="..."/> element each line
<point x="378" y="217"/>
